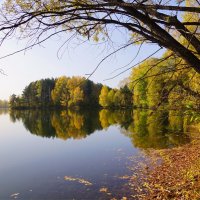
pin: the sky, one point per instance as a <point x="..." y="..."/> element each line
<point x="76" y="60"/>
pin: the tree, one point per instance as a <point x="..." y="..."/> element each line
<point x="60" y="92"/>
<point x="103" y="97"/>
<point x="140" y="86"/>
<point x="147" y="20"/>
<point x="126" y="97"/>
<point x="110" y="97"/>
<point x="77" y="97"/>
<point x="13" y="100"/>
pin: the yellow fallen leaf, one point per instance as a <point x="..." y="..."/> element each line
<point x="103" y="189"/>
<point x="80" y="180"/>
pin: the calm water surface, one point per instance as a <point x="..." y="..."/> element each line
<point x="78" y="155"/>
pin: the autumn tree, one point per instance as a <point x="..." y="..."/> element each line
<point x="103" y="97"/>
<point x="146" y="21"/>
<point x="61" y="92"/>
<point x="138" y="84"/>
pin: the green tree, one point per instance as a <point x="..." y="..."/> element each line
<point x="145" y="21"/>
<point x="13" y="101"/>
<point x="138" y="84"/>
<point x="125" y="97"/>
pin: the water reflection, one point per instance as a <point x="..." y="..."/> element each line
<point x="117" y="117"/>
<point x="60" y="124"/>
<point x="146" y="129"/>
<point x="76" y="125"/>
<point x="3" y="111"/>
<point x="161" y="129"/>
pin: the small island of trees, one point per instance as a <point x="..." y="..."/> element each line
<point x="59" y="92"/>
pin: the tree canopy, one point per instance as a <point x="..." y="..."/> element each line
<point x="61" y="92"/>
<point x="171" y="24"/>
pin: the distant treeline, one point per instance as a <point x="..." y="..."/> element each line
<point x="70" y="92"/>
<point x="59" y="92"/>
<point x="4" y="104"/>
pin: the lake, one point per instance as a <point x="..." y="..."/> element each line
<point x="80" y="154"/>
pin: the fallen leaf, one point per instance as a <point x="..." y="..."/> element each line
<point x="103" y="189"/>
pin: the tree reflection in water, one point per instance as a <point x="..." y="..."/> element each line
<point x="4" y="111"/>
<point x="146" y="129"/>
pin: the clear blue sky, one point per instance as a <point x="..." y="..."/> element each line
<point x="42" y="62"/>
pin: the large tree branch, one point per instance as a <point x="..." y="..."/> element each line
<point x="188" y="90"/>
<point x="168" y="41"/>
<point x="88" y="17"/>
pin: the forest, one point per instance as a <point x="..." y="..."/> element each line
<point x="60" y="92"/>
<point x="152" y="84"/>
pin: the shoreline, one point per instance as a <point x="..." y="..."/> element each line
<point x="170" y="173"/>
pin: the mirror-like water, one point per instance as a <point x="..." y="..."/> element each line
<point x="78" y="155"/>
